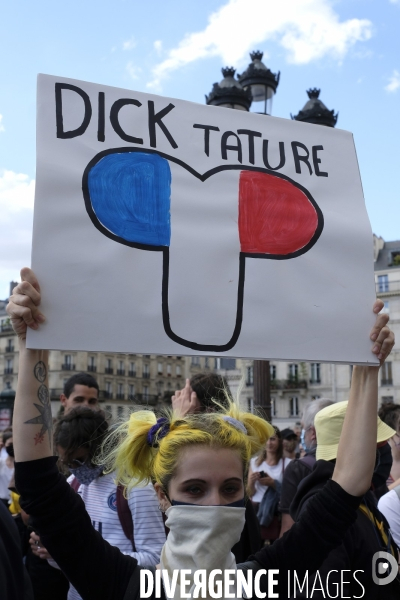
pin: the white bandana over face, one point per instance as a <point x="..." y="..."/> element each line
<point x="201" y="537"/>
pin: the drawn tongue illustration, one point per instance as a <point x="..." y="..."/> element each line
<point x="275" y="217"/>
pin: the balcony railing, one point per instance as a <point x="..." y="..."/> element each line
<point x="9" y="348"/>
<point x="288" y="384"/>
<point x="132" y="373"/>
<point x="108" y="370"/>
<point x="68" y="367"/>
<point x="8" y="371"/>
<point x="146" y="375"/>
<point x="92" y="368"/>
<point x="107" y="395"/>
<point x="387" y="287"/>
<point x="120" y="371"/>
<point x="145" y="399"/>
<point x="120" y="396"/>
<point x="387" y="381"/>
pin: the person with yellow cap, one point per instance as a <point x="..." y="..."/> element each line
<point x="368" y="535"/>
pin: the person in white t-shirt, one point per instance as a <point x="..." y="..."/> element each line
<point x="266" y="471"/>
<point x="77" y="437"/>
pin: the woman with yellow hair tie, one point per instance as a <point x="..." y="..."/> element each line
<point x="198" y="464"/>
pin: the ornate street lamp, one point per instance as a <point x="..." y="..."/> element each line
<point x="315" y="111"/>
<point x="261" y="82"/>
<point x="229" y="93"/>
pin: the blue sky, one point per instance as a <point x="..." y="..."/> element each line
<point x="348" y="48"/>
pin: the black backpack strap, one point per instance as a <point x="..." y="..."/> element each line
<point x="308" y="460"/>
<point x="125" y="515"/>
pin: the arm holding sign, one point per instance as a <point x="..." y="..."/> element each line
<point x="56" y="511"/>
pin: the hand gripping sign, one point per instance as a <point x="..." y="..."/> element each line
<point x="165" y="227"/>
<point x="128" y="195"/>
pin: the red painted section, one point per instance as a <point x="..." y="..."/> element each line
<point x="275" y="217"/>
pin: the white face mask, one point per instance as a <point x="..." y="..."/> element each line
<point x="201" y="537"/>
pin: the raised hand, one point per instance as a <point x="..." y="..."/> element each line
<point x="23" y="306"/>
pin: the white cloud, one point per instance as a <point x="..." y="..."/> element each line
<point x="158" y="46"/>
<point x="16" y="209"/>
<point x="394" y="1"/>
<point x="133" y="70"/>
<point x="129" y="44"/>
<point x="394" y="82"/>
<point x="306" y="29"/>
<point x="1" y="124"/>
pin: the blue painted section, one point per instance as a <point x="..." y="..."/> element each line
<point x="130" y="194"/>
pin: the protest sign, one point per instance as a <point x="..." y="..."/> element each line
<point x="167" y="227"/>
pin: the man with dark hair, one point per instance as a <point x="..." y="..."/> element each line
<point x="210" y="389"/>
<point x="80" y="390"/>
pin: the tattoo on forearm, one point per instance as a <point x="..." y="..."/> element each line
<point x="45" y="418"/>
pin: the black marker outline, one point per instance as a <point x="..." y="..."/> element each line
<point x="165" y="249"/>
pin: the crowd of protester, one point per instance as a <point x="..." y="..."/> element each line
<point x="202" y="486"/>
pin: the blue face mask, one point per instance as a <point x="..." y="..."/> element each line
<point x="303" y="441"/>
<point x="86" y="473"/>
<point x="238" y="504"/>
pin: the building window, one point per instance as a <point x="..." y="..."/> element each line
<point x="196" y="361"/>
<point x="67" y="365"/>
<point x="91" y="364"/>
<point x="8" y="385"/>
<point x="293" y="372"/>
<point x="120" y="391"/>
<point x="385" y="309"/>
<point x="10" y="346"/>
<point x="178" y="371"/>
<point x="206" y="363"/>
<point x="132" y="369"/>
<point x="109" y="368"/>
<point x="169" y="370"/>
<point x="250" y="405"/>
<point x="315" y="373"/>
<point x="131" y="392"/>
<point x="386" y="374"/>
<point x="273" y="407"/>
<point x="249" y="376"/>
<point x="145" y="392"/>
<point x="272" y="371"/>
<point x="294" y="406"/>
<point x="121" y="368"/>
<point x="108" y="389"/>
<point x="227" y="364"/>
<point x="383" y="283"/>
<point x="146" y="371"/>
<point x="160" y="368"/>
<point x="395" y="258"/>
<point x="8" y="368"/>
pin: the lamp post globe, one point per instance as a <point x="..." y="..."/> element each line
<point x="261" y="82"/>
<point x="314" y="111"/>
<point x="229" y="93"/>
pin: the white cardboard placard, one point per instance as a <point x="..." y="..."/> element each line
<point x="166" y="227"/>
